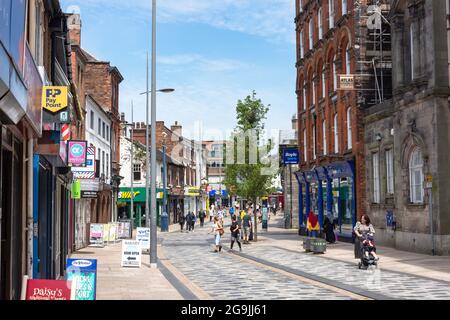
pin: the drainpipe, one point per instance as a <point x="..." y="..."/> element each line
<point x="30" y="223"/>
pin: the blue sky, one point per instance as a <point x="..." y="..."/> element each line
<point x="213" y="52"/>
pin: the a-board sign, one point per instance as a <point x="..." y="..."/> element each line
<point x="131" y="253"/>
<point x="143" y="236"/>
<point x="96" y="234"/>
<point x="124" y="229"/>
<point x="85" y="273"/>
<point x="48" y="289"/>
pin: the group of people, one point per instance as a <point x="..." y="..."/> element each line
<point x="241" y="228"/>
<point x="190" y="219"/>
<point x="364" y="233"/>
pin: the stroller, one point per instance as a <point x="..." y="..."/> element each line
<point x="367" y="259"/>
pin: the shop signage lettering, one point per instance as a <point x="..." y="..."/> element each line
<point x="54" y="99"/>
<point x="76" y="190"/>
<point x="131" y="253"/>
<point x="85" y="273"/>
<point x="291" y="156"/>
<point x="127" y="195"/>
<point x="49" y="290"/>
<point x="77" y="153"/>
<point x="347" y="82"/>
<point x="96" y="234"/>
<point x="143" y="236"/>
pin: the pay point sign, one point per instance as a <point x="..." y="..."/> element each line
<point x="54" y="99"/>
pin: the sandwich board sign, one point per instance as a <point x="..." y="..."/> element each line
<point x="131" y="253"/>
<point x="143" y="236"/>
<point x="97" y="234"/>
<point x="85" y="273"/>
<point x="36" y="289"/>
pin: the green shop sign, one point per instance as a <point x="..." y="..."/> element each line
<point x="139" y="194"/>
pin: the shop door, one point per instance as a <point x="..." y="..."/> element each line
<point x="11" y="221"/>
<point x="45" y="221"/>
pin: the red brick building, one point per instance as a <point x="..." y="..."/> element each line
<point x="332" y="41"/>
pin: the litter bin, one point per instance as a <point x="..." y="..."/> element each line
<point x="165" y="222"/>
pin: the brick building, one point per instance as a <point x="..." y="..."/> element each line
<point x="333" y="40"/>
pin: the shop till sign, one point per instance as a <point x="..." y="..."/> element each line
<point x="85" y="273"/>
<point x="131" y="254"/>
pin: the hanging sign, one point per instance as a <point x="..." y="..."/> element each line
<point x="76" y="190"/>
<point x="131" y="253"/>
<point x="54" y="99"/>
<point x="77" y="153"/>
<point x="96" y="236"/>
<point x="346" y="82"/>
<point x="291" y="156"/>
<point x="85" y="273"/>
<point x="87" y="172"/>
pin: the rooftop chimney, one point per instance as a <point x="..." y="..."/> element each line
<point x="74" y="25"/>
<point x="177" y="129"/>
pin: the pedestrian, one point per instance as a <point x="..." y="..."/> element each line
<point x="235" y="233"/>
<point x="194" y="220"/>
<point x="312" y="225"/>
<point x="211" y="213"/>
<point x="328" y="228"/>
<point x="218" y="232"/>
<point x="188" y="222"/>
<point x="362" y="228"/>
<point x="181" y="219"/>
<point x="232" y="211"/>
<point x="202" y="216"/>
<point x="220" y="214"/>
<point x="246" y="221"/>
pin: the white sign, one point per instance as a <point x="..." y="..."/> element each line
<point x="143" y="236"/>
<point x="347" y="82"/>
<point x="87" y="172"/>
<point x="131" y="253"/>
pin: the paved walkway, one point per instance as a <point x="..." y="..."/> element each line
<point x="433" y="267"/>
<point x="117" y="283"/>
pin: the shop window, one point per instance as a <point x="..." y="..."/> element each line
<point x="416" y="177"/>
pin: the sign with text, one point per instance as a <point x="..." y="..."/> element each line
<point x="87" y="172"/>
<point x="346" y="82"/>
<point x="49" y="290"/>
<point x="143" y="236"/>
<point x="54" y="99"/>
<point x="85" y="273"/>
<point x="77" y="153"/>
<point x="96" y="234"/>
<point x="131" y="254"/>
<point x="291" y="156"/>
<point x="76" y="190"/>
<point x="124" y="229"/>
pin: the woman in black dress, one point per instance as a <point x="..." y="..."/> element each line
<point x="328" y="228"/>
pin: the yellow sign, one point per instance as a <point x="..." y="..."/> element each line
<point x="54" y="99"/>
<point x="346" y="82"/>
<point x="429" y="178"/>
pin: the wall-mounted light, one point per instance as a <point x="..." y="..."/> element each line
<point x="378" y="137"/>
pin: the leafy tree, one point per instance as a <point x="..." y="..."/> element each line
<point x="247" y="177"/>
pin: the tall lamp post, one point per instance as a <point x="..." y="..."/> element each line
<point x="164" y="178"/>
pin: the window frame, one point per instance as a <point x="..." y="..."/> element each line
<point x="324" y="132"/>
<point x="336" y="134"/>
<point x="349" y="129"/>
<point x="413" y="168"/>
<point x="376" y="195"/>
<point x="390" y="182"/>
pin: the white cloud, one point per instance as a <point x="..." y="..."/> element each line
<point x="199" y="62"/>
<point x="271" y="19"/>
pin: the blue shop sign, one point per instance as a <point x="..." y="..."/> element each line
<point x="311" y="176"/>
<point x="291" y="156"/>
<point x="341" y="169"/>
<point x="85" y="271"/>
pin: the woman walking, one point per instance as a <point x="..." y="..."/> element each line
<point x="235" y="233"/>
<point x="218" y="233"/>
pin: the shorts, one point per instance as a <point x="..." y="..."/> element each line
<point x="217" y="239"/>
<point x="246" y="231"/>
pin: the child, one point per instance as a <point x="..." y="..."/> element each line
<point x="369" y="246"/>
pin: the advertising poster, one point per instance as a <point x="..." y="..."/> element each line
<point x="113" y="232"/>
<point x="85" y="273"/>
<point x="143" y="236"/>
<point x="96" y="234"/>
<point x="124" y="231"/>
<point x="131" y="254"/>
<point x="87" y="172"/>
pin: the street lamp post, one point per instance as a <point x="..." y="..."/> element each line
<point x="164" y="174"/>
<point x="132" y="167"/>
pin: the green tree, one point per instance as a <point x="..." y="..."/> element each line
<point x="246" y="177"/>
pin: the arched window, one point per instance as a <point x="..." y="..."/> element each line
<point x="344" y="7"/>
<point x="349" y="129"/>
<point x="320" y="21"/>
<point x="336" y="134"/>
<point x="331" y="14"/>
<point x="324" y="81"/>
<point x="304" y="96"/>
<point x="324" y="134"/>
<point x="305" y="151"/>
<point x="313" y="91"/>
<point x="302" y="47"/>
<point x="310" y="34"/>
<point x="347" y="59"/>
<point x="416" y="176"/>
<point x="335" y="79"/>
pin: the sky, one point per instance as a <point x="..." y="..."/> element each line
<point x="212" y="52"/>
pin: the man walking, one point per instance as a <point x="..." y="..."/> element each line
<point x="235" y="233"/>
<point x="202" y="216"/>
<point x="181" y="219"/>
<point x="246" y="221"/>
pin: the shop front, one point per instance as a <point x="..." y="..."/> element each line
<point x="329" y="191"/>
<point x="124" y="205"/>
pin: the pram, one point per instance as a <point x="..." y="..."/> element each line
<point x="367" y="259"/>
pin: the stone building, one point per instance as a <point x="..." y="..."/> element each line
<point x="407" y="138"/>
<point x="336" y="39"/>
